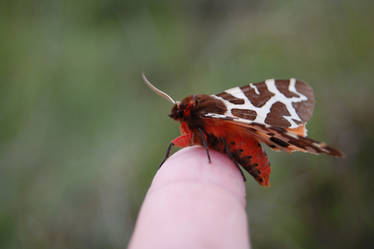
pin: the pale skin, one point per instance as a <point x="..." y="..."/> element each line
<point x="192" y="203"/>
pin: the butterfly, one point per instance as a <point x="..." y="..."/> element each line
<point x="238" y="120"/>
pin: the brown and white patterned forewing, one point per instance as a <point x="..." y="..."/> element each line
<point x="278" y="103"/>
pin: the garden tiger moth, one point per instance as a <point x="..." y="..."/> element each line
<point x="235" y="121"/>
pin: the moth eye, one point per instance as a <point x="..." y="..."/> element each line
<point x="179" y="113"/>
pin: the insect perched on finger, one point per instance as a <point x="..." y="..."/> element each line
<point x="235" y="121"/>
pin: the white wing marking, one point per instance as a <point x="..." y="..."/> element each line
<point x="254" y="88"/>
<point x="264" y="110"/>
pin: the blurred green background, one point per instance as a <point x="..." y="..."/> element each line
<point x="81" y="136"/>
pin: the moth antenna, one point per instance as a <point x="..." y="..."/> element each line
<point x="157" y="91"/>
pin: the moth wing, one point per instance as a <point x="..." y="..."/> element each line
<point x="281" y="139"/>
<point x="278" y="103"/>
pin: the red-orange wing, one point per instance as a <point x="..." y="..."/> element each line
<point x="283" y="139"/>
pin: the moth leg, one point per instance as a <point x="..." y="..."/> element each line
<point x="205" y="144"/>
<point x="228" y="152"/>
<point x="181" y="141"/>
<point x="167" y="154"/>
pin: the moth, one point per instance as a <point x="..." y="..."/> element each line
<point x="236" y="121"/>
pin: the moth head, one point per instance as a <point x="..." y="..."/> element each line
<point x="177" y="112"/>
<point x="182" y="110"/>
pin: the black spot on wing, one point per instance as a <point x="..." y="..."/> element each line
<point x="279" y="142"/>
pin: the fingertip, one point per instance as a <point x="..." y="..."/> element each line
<point x="191" y="165"/>
<point x="194" y="204"/>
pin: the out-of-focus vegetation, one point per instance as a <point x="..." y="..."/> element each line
<point x="81" y="136"/>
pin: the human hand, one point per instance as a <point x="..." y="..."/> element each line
<point x="194" y="204"/>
